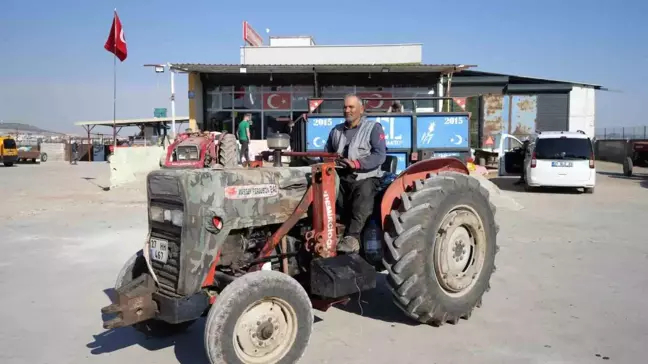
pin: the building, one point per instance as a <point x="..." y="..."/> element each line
<point x="275" y="82"/>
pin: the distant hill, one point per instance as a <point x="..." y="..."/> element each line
<point x="25" y="129"/>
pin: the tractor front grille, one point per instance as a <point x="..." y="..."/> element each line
<point x="168" y="274"/>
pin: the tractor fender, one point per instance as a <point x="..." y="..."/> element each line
<point x="417" y="171"/>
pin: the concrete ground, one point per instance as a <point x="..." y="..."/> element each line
<point x="570" y="285"/>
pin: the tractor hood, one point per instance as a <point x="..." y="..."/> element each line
<point x="240" y="197"/>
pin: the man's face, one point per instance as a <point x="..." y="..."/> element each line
<point x="352" y="109"/>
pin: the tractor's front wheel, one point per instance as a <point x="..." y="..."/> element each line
<point x="441" y="246"/>
<point x="132" y="269"/>
<point x="262" y="317"/>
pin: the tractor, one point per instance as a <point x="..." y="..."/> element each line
<point x="202" y="150"/>
<point x="254" y="250"/>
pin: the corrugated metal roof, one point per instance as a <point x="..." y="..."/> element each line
<point x="533" y="78"/>
<point x="320" y="68"/>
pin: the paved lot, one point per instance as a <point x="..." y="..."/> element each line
<point x="570" y="285"/>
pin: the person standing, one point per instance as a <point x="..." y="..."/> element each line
<point x="74" y="148"/>
<point x="243" y="134"/>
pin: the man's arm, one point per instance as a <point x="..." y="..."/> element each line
<point x="378" y="150"/>
<point x="328" y="147"/>
<point x="247" y="130"/>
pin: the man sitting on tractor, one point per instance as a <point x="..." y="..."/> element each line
<point x="361" y="143"/>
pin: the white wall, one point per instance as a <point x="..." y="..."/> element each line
<point x="291" y="41"/>
<point x="358" y="54"/>
<point x="582" y="110"/>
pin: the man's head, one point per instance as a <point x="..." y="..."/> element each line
<point x="353" y="109"/>
<point x="247" y="116"/>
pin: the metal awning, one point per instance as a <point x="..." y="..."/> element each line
<point x="320" y="68"/>
<point x="132" y="122"/>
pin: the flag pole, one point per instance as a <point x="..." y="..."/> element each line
<point x="114" y="80"/>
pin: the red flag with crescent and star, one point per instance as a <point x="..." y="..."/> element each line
<point x="116" y="43"/>
<point x="276" y="101"/>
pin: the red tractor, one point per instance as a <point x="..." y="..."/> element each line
<point x="254" y="250"/>
<point x="201" y="150"/>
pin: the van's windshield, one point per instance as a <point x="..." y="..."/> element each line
<point x="9" y="144"/>
<point x="563" y="148"/>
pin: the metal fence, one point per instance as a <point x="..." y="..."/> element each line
<point x="625" y="132"/>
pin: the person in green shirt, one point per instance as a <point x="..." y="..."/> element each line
<point x="243" y="134"/>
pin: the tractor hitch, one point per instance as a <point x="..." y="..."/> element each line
<point x="134" y="303"/>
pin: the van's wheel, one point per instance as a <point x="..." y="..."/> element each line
<point x="441" y="246"/>
<point x="43" y="157"/>
<point x="132" y="269"/>
<point x="227" y="151"/>
<point x="589" y="190"/>
<point x="627" y="166"/>
<point x="262" y="317"/>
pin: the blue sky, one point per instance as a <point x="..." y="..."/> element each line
<point x="54" y="70"/>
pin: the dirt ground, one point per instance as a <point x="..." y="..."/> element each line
<point x="570" y="285"/>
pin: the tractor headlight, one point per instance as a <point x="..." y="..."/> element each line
<point x="160" y="214"/>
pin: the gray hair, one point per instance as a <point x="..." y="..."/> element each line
<point x="360" y="100"/>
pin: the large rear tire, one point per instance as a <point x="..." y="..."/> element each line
<point x="262" y="317"/>
<point x="227" y="151"/>
<point x="627" y="166"/>
<point x="441" y="246"/>
<point x="132" y="269"/>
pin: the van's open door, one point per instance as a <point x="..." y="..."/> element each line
<point x="511" y="161"/>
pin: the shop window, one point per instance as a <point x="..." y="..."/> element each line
<point x="300" y="100"/>
<point x="213" y="101"/>
<point x="249" y="99"/>
<point x="219" y="121"/>
<point x="277" y="122"/>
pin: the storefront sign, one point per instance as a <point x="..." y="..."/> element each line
<point x="250" y="36"/>
<point x="442" y="131"/>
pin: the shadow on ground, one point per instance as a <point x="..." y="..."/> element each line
<point x="377" y="304"/>
<point x="642" y="178"/>
<point x="508" y="184"/>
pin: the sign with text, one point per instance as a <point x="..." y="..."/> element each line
<point x="442" y="131"/>
<point x="160" y="112"/>
<point x="398" y="130"/>
<point x="250" y="36"/>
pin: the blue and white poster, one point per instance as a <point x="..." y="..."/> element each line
<point x="318" y="129"/>
<point x="400" y="165"/>
<point x="442" y="131"/>
<point x="398" y="131"/>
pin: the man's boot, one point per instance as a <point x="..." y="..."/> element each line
<point x="349" y="245"/>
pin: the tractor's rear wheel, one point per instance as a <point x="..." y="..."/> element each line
<point x="441" y="246"/>
<point x="132" y="269"/>
<point x="262" y="317"/>
<point x="228" y="151"/>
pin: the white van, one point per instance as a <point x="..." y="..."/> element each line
<point x="555" y="159"/>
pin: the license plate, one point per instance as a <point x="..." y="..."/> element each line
<point x="159" y="250"/>
<point x="562" y="164"/>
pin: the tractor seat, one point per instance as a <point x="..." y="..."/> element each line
<point x="390" y="165"/>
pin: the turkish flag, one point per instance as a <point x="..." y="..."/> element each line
<point x="116" y="43"/>
<point x="277" y="101"/>
<point x="461" y="101"/>
<point x="376" y="104"/>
